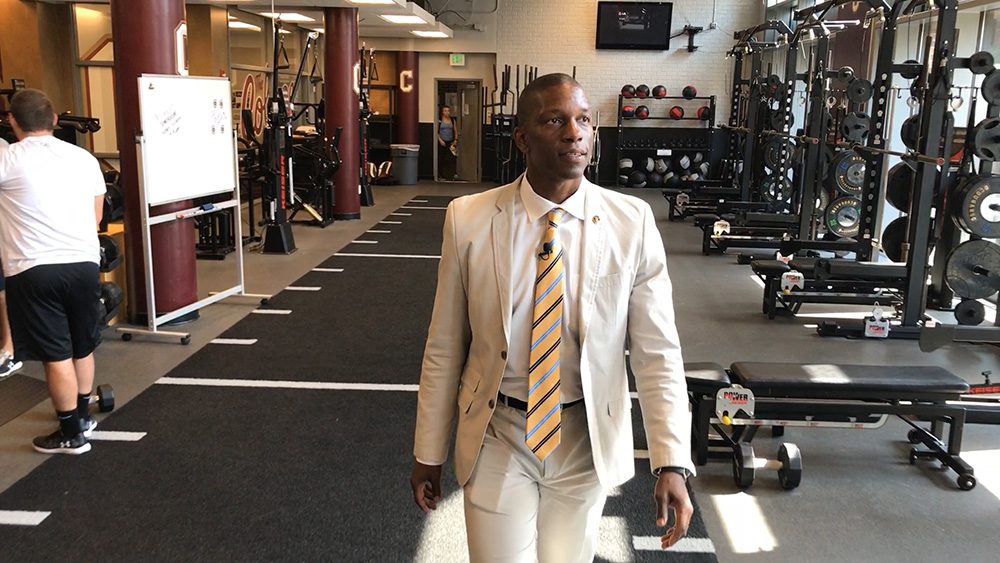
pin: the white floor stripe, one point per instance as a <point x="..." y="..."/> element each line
<point x="418" y="207"/>
<point x="333" y="270"/>
<point x="391" y="222"/>
<point x="401" y="214"/>
<point x="641" y="454"/>
<point x="379" y="232"/>
<point x="236" y="341"/>
<point x="272" y="311"/>
<point x="303" y="288"/>
<point x="364" y="242"/>
<point x="418" y="201"/>
<point x="22" y="517"/>
<point x="388" y="255"/>
<point x="756" y="279"/>
<point x="686" y="545"/>
<point x="110" y="436"/>
<point x="272" y="384"/>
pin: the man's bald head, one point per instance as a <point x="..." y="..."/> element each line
<point x="530" y="101"/>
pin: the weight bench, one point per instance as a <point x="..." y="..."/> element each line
<point x="823" y="396"/>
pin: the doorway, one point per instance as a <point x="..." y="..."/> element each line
<point x="464" y="100"/>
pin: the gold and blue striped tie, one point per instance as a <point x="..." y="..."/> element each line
<point x="544" y="403"/>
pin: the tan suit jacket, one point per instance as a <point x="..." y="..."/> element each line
<point x="624" y="294"/>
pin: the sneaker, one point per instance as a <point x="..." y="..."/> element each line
<point x="88" y="425"/>
<point x="8" y="366"/>
<point x="56" y="443"/>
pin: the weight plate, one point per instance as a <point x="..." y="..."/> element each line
<point x="977" y="209"/>
<point x="773" y="149"/>
<point x="991" y="87"/>
<point x="855" y="126"/>
<point x="775" y="189"/>
<point x="847" y="173"/>
<point x="893" y="237"/>
<point x="845" y="73"/>
<point x="822" y="201"/>
<point x="911" y="70"/>
<point x="970" y="312"/>
<point x="860" y="90"/>
<point x="981" y="62"/>
<point x="909" y="133"/>
<point x="973" y="269"/>
<point x="986" y="139"/>
<point x="843" y="217"/>
<point x="899" y="186"/>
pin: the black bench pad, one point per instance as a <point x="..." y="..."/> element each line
<point x="805" y="265"/>
<point x="705" y="378"/>
<point x="769" y="267"/>
<point x="848" y="381"/>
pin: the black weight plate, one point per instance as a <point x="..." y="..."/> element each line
<point x="845" y="73"/>
<point x="860" y="90"/>
<point x="912" y="70"/>
<point x="981" y="62"/>
<point x="973" y="269"/>
<point x="843" y="217"/>
<point x="986" y="139"/>
<point x="977" y="209"/>
<point x="991" y="87"/>
<point x="909" y="133"/>
<point x="855" y="126"/>
<point x="893" y="237"/>
<point x="775" y="189"/>
<point x="899" y="186"/>
<point x="847" y="173"/>
<point x="772" y="152"/>
<point x="970" y="312"/>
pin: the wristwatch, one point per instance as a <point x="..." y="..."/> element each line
<point x="682" y="471"/>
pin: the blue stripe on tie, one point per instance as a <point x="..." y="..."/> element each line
<point x="551" y="412"/>
<point x="542" y="296"/>
<point x="550" y="329"/>
<point x="541" y="379"/>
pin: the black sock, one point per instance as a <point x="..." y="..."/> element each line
<point x="69" y="423"/>
<point x="83" y="405"/>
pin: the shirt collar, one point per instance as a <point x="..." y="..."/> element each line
<point x="536" y="206"/>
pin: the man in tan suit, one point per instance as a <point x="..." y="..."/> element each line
<point x="541" y="283"/>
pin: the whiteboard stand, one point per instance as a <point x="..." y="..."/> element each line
<point x="143" y="159"/>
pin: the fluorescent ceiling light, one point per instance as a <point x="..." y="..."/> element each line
<point x="243" y="25"/>
<point x="287" y="16"/>
<point x="429" y="34"/>
<point x="382" y="2"/>
<point x="411" y="20"/>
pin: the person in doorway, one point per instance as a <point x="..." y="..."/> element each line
<point x="541" y="284"/>
<point x="51" y="201"/>
<point x="447" y="145"/>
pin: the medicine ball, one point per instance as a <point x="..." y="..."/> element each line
<point x="655" y="181"/>
<point x="659" y="91"/>
<point x="642" y="91"/>
<point x="681" y="162"/>
<point x="628" y="91"/>
<point x="704" y="113"/>
<point x="676" y="112"/>
<point x="661" y="166"/>
<point x="698" y="157"/>
<point x="625" y="166"/>
<point x="623" y="179"/>
<point x="689" y="92"/>
<point x="637" y="179"/>
<point x="671" y="180"/>
<point x="703" y="168"/>
<point x="110" y="253"/>
<point x="646" y="164"/>
<point x="642" y="112"/>
<point x="628" y="111"/>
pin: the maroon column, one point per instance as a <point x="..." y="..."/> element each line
<point x="340" y="89"/>
<point x="144" y="34"/>
<point x="408" y="98"/>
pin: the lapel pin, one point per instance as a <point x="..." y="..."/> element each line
<point x="596" y="219"/>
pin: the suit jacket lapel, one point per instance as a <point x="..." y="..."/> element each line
<point x="594" y="240"/>
<point x="503" y="251"/>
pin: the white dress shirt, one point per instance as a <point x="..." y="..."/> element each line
<point x="528" y="228"/>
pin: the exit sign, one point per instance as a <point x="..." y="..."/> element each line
<point x="457" y="59"/>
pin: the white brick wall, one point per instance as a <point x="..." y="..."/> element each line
<point x="554" y="35"/>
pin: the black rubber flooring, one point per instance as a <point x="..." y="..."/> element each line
<point x="241" y="474"/>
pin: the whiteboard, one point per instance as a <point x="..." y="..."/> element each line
<point x="188" y="147"/>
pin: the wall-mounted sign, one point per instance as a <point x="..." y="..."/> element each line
<point x="457" y="59"/>
<point x="406" y="81"/>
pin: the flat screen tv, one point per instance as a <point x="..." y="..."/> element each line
<point x="634" y="25"/>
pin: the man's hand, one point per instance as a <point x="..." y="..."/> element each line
<point x="426" y="484"/>
<point x="672" y="493"/>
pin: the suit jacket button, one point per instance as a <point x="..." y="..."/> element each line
<point x="492" y="403"/>
<point x="503" y="355"/>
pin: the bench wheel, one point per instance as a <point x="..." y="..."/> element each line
<point x="126" y="337"/>
<point x="913" y="436"/>
<point x="790" y="474"/>
<point x="185" y="340"/>
<point x="966" y="481"/>
<point x="913" y="456"/>
<point x="743" y="468"/>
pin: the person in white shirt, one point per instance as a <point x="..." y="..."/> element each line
<point x="8" y="365"/>
<point x="51" y="202"/>
<point x="542" y="283"/>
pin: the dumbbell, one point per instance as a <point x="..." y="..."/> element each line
<point x="105" y="398"/>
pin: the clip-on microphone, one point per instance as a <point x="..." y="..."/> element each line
<point x="546" y="251"/>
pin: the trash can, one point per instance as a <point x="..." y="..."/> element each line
<point x="404" y="163"/>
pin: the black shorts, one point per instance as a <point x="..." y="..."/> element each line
<point x="54" y="311"/>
